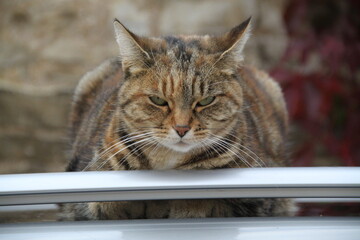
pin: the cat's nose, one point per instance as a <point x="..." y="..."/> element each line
<point x="182" y="129"/>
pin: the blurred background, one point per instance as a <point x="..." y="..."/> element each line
<point x="310" y="46"/>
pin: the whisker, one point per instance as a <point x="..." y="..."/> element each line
<point x="248" y="149"/>
<point x="132" y="152"/>
<point x="120" y="142"/>
<point x="215" y="147"/>
<point x="156" y="147"/>
<point x="123" y="137"/>
<point x="223" y="146"/>
<point x="108" y="159"/>
<point x="101" y="154"/>
<point x="222" y="139"/>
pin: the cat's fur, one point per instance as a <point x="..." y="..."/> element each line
<point x="116" y="126"/>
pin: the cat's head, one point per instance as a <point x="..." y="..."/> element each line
<point x="181" y="92"/>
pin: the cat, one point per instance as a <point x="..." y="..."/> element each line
<point x="178" y="102"/>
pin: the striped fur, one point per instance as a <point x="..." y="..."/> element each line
<point x="116" y="125"/>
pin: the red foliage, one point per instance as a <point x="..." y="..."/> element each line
<point x="320" y="77"/>
<point x="329" y="209"/>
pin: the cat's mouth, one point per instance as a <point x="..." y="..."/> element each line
<point x="182" y="144"/>
<point x="179" y="144"/>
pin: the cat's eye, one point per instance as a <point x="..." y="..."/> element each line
<point x="206" y="101"/>
<point x="158" y="101"/>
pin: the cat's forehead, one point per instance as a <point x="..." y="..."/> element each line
<point x="184" y="51"/>
<point x="195" y="43"/>
<point x="205" y="43"/>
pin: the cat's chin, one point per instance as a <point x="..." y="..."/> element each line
<point x="180" y="147"/>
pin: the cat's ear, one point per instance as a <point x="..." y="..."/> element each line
<point x="132" y="53"/>
<point x="234" y="42"/>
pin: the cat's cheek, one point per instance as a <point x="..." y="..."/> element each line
<point x="218" y="113"/>
<point x="145" y="114"/>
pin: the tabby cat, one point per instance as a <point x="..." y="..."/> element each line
<point x="177" y="102"/>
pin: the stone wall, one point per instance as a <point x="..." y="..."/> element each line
<point x="46" y="46"/>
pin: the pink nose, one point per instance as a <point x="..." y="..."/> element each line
<point x="182" y="129"/>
